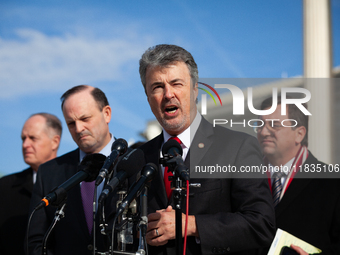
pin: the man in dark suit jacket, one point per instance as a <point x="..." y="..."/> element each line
<point x="226" y="215"/>
<point x="87" y="114"/>
<point x="308" y="208"/>
<point x="40" y="141"/>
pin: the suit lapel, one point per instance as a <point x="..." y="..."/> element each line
<point x="25" y="181"/>
<point x="293" y="191"/>
<point x="200" y="145"/>
<point x="295" y="188"/>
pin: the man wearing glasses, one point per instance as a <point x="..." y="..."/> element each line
<point x="306" y="208"/>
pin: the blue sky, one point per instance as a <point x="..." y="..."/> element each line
<point x="47" y="47"/>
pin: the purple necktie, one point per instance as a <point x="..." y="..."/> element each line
<point x="87" y="193"/>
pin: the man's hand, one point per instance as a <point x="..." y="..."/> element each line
<point x="162" y="226"/>
<point x="298" y="249"/>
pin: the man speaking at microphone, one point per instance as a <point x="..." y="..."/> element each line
<point x="87" y="114"/>
<point x="225" y="215"/>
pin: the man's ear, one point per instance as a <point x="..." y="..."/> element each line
<point x="300" y="133"/>
<point x="55" y="142"/>
<point x="107" y="111"/>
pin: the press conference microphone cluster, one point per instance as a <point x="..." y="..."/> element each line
<point x="129" y="165"/>
<point x="174" y="149"/>
<point x="118" y="148"/>
<point x="148" y="172"/>
<point x="88" y="170"/>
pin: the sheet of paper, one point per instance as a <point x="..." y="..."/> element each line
<point x="283" y="238"/>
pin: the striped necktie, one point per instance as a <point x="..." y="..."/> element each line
<point x="277" y="187"/>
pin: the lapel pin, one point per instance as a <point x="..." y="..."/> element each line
<point x="201" y="145"/>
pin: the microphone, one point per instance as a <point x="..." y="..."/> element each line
<point x="88" y="170"/>
<point x="118" y="148"/>
<point x="174" y="149"/>
<point x="143" y="222"/>
<point x="127" y="166"/>
<point x="149" y="171"/>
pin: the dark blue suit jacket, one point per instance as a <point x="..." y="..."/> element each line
<point x="310" y="210"/>
<point x="70" y="235"/>
<point x="16" y="191"/>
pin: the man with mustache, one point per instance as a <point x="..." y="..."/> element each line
<point x="225" y="215"/>
<point x="40" y="142"/>
<point x="87" y="114"/>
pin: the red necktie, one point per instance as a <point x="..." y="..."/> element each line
<point x="167" y="183"/>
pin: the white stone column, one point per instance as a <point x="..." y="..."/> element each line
<point x="318" y="71"/>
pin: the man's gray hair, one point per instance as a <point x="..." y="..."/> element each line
<point x="163" y="55"/>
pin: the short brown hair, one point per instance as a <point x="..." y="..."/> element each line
<point x="98" y="95"/>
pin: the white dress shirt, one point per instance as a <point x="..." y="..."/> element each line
<point x="186" y="136"/>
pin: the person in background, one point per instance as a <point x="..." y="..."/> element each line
<point x="308" y="208"/>
<point x="87" y="114"/>
<point x="40" y="136"/>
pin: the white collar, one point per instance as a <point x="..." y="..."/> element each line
<point x="187" y="135"/>
<point x="285" y="168"/>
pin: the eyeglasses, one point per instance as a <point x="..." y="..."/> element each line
<point x="271" y="125"/>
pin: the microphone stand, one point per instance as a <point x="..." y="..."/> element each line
<point x="94" y="219"/>
<point x="100" y="211"/>
<point x="58" y="215"/>
<point x="177" y="192"/>
<point x="177" y="186"/>
<point x="143" y="222"/>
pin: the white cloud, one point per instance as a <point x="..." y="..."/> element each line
<point x="35" y="61"/>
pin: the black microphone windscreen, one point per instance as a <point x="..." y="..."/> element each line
<point x="149" y="171"/>
<point x="131" y="162"/>
<point x="91" y="164"/>
<point x="172" y="147"/>
<point x="120" y="145"/>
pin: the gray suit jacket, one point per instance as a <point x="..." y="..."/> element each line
<point x="233" y="215"/>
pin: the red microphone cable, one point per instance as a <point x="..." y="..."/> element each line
<point x="186" y="220"/>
